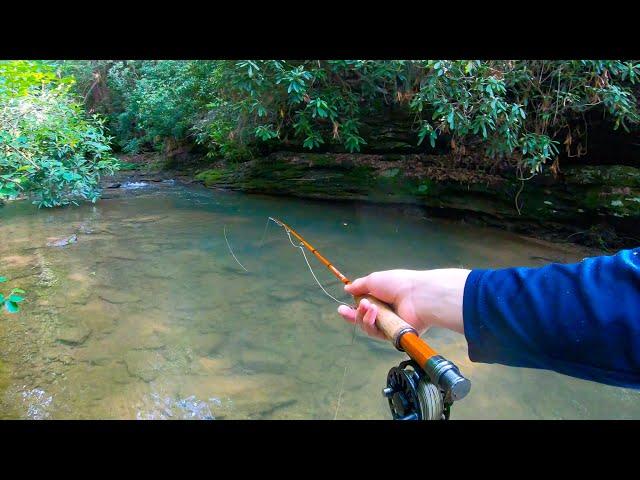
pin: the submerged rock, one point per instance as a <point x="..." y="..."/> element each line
<point x="62" y="242"/>
<point x="76" y="335"/>
<point x="145" y="219"/>
<point x="150" y="342"/>
<point x="283" y="294"/>
<point x="18" y="261"/>
<point x="264" y="361"/>
<point x="119" y="374"/>
<point x="143" y="364"/>
<point x="117" y="297"/>
<point x="213" y="366"/>
<point x="207" y="344"/>
<point x="245" y="396"/>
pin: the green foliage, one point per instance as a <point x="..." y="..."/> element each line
<point x="19" y="78"/>
<point x="148" y="101"/>
<point x="517" y="110"/>
<point x="10" y="301"/>
<point x="522" y="110"/>
<point x="311" y="101"/>
<point x="525" y="112"/>
<point x="125" y="166"/>
<point x="48" y="147"/>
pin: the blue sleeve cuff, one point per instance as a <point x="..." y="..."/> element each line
<point x="580" y="320"/>
<point x="472" y="322"/>
<point x="483" y="343"/>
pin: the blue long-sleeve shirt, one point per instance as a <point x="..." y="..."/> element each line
<point x="580" y="319"/>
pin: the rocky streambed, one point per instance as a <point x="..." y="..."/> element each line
<point x="135" y="309"/>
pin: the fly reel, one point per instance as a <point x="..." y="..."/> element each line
<point x="413" y="396"/>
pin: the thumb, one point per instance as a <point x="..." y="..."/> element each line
<point x="360" y="286"/>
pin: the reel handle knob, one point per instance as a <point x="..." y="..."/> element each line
<point x="441" y="371"/>
<point x="446" y="375"/>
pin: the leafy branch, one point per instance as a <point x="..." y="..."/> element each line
<point x="11" y="301"/>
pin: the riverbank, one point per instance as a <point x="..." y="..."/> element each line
<point x="593" y="205"/>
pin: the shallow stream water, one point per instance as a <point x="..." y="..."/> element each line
<point x="148" y="316"/>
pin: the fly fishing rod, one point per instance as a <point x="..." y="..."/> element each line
<point x="423" y="388"/>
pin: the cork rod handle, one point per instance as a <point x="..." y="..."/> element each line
<point x="386" y="320"/>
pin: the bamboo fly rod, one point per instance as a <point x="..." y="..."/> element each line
<point x="404" y="336"/>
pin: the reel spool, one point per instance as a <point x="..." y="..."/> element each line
<point x="412" y="395"/>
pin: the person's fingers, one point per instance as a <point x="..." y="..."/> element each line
<point x="365" y="317"/>
<point x="348" y="313"/>
<point x="360" y="286"/>
<point x="362" y="309"/>
<point x="357" y="316"/>
<point x="382" y="285"/>
<point x="369" y="322"/>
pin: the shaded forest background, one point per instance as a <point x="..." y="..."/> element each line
<point x="514" y="142"/>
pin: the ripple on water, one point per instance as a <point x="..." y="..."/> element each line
<point x="38" y="403"/>
<point x="134" y="185"/>
<point x="190" y="408"/>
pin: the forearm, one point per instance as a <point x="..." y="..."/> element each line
<point x="581" y="319"/>
<point x="437" y="297"/>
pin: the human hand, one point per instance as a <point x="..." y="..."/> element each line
<point x="421" y="298"/>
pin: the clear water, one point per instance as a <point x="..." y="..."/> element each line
<point x="148" y="316"/>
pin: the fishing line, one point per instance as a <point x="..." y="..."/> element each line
<point x="353" y="335"/>
<point x="264" y="234"/>
<point x="234" y="256"/>
<point x="344" y="375"/>
<point x="301" y="247"/>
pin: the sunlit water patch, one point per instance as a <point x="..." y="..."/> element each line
<point x="37" y="403"/>
<point x="134" y="185"/>
<point x="190" y="408"/>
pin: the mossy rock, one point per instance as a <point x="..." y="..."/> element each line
<point x="315" y="176"/>
<point x="585" y="193"/>
<point x="210" y="177"/>
<point x="610" y="175"/>
<point x="617" y="202"/>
